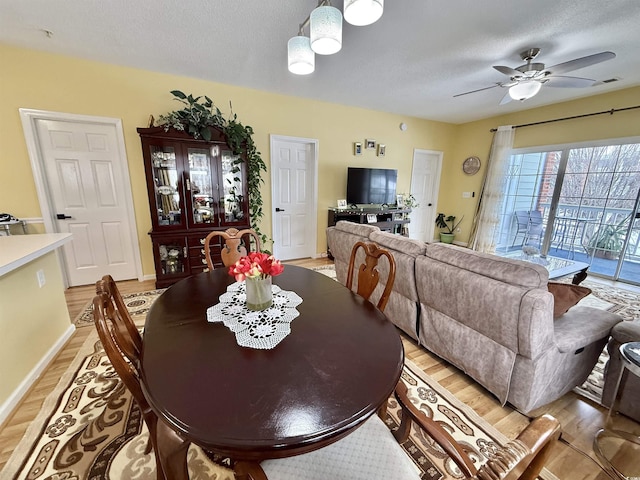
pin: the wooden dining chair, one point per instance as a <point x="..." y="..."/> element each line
<point x="373" y="448"/>
<point x="129" y="336"/>
<point x="233" y="247"/>
<point x="374" y="452"/>
<point x="115" y="344"/>
<point x="368" y="275"/>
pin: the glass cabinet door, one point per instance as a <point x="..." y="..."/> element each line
<point x="172" y="254"/>
<point x="167" y="191"/>
<point x="201" y="182"/>
<point x="233" y="188"/>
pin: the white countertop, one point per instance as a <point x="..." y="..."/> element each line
<point x="18" y="250"/>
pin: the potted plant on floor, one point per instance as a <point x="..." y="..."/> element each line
<point x="448" y="223"/>
<point x="607" y="241"/>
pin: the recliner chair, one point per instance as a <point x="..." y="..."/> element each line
<point x="623" y="332"/>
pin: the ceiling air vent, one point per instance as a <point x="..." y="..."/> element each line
<point x="611" y="80"/>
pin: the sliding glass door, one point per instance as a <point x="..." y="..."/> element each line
<point x="587" y="199"/>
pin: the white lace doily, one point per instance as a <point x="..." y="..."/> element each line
<point x="263" y="329"/>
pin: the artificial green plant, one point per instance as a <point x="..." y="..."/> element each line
<point x="199" y="113"/>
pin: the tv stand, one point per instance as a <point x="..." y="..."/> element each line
<point x="388" y="219"/>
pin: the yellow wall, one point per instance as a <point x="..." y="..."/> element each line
<point x="31" y="319"/>
<point x="475" y="139"/>
<point x="44" y="81"/>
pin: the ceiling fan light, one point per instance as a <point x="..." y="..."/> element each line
<point x="524" y="90"/>
<point x="326" y="30"/>
<point x="363" y="12"/>
<point x="300" y="57"/>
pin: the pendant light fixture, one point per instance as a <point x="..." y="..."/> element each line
<point x="363" y="12"/>
<point x="524" y="90"/>
<point x="301" y="59"/>
<point x="326" y="30"/>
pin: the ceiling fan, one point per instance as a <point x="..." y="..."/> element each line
<point x="526" y="80"/>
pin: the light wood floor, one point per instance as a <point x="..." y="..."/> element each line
<point x="580" y="418"/>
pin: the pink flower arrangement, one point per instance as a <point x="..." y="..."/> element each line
<point x="254" y="265"/>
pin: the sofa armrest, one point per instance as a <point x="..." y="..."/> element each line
<point x="582" y="326"/>
<point x="623" y="332"/>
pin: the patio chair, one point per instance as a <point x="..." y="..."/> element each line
<point x="529" y="225"/>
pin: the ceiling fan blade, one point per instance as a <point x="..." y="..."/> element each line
<point x="568" y="82"/>
<point x="478" y="90"/>
<point x="506" y="99"/>
<point x="581" y="62"/>
<point x="511" y="72"/>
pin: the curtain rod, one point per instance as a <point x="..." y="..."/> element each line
<point x="611" y="112"/>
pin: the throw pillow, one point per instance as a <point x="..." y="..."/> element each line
<point x="565" y="296"/>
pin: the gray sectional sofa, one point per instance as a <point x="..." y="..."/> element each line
<point x="490" y="316"/>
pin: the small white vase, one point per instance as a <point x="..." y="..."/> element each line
<point x="259" y="294"/>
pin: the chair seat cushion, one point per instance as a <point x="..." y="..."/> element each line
<point x="370" y="452"/>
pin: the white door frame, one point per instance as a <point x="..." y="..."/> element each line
<point x="313" y="227"/>
<point x="436" y="193"/>
<point x="29" y="118"/>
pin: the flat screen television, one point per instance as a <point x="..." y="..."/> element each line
<point x="371" y="185"/>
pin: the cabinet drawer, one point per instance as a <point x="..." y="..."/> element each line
<point x="196" y="241"/>
<point x="197" y="256"/>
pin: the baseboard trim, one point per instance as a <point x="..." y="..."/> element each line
<point x="14" y="399"/>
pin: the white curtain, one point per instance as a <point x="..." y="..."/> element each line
<point x="487" y="218"/>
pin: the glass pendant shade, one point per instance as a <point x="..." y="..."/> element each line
<point x="326" y="30"/>
<point x="525" y="89"/>
<point x="301" y="59"/>
<point x="363" y="12"/>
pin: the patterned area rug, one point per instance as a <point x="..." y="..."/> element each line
<point x="89" y="428"/>
<point x="138" y="304"/>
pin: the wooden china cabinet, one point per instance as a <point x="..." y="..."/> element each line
<point x="194" y="187"/>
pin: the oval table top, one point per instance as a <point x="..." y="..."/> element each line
<point x="338" y="365"/>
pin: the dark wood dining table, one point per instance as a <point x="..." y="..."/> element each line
<point x="338" y="365"/>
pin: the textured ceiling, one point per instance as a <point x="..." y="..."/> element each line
<point x="411" y="62"/>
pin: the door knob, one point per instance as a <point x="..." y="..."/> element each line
<point x="279" y="209"/>
<point x="62" y="216"/>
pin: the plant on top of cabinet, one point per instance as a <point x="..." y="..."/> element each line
<point x="196" y="118"/>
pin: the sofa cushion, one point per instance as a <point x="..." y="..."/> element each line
<point x="507" y="270"/>
<point x="582" y="326"/>
<point x="566" y="296"/>
<point x="398" y="243"/>
<point x="361" y="229"/>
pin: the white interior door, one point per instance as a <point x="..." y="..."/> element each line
<point x="86" y="181"/>
<point x="294" y="196"/>
<point x="425" y="183"/>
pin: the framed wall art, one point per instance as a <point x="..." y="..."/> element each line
<point x="357" y="148"/>
<point x="369" y="143"/>
<point x="342" y="203"/>
<point x="381" y="150"/>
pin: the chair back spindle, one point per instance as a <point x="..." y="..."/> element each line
<point x="368" y="274"/>
<point x="127" y="333"/>
<point x="233" y="249"/>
